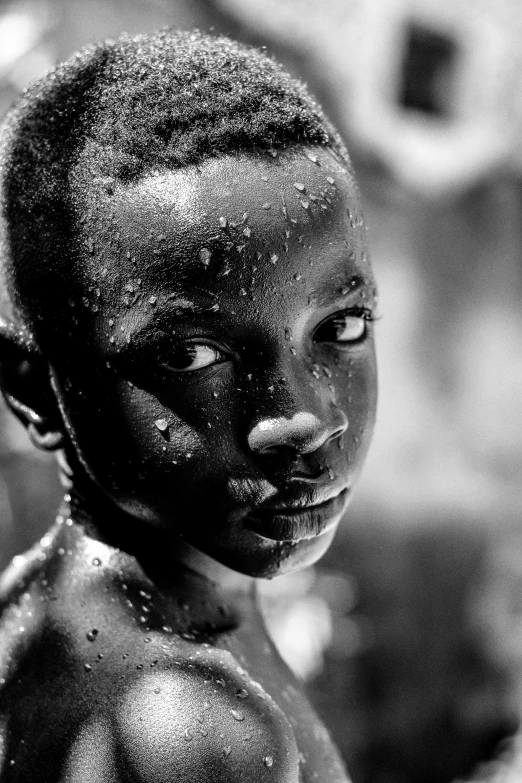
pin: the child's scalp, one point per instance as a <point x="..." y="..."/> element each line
<point x="119" y="110"/>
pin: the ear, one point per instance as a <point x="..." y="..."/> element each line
<point x="25" y="385"/>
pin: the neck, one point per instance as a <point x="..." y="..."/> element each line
<point x="164" y="557"/>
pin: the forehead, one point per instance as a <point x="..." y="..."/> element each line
<point x="232" y="223"/>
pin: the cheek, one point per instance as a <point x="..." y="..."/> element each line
<point x="357" y="395"/>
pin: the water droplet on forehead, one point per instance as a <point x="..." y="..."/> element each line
<point x="91" y="635"/>
<point x="304" y="203"/>
<point x="205" y="255"/>
<point x="227" y="750"/>
<point x="268" y="761"/>
<point x="299" y="186"/>
<point x="242" y="693"/>
<point x="312" y="157"/>
<point x="162" y="425"/>
<point x="330" y="180"/>
<point x="223" y="222"/>
<point x="237" y="715"/>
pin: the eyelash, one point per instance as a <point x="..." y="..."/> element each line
<point x="364" y="313"/>
<point x="361" y="312"/>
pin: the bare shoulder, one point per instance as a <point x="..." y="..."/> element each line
<point x="204" y="720"/>
<point x="196" y="722"/>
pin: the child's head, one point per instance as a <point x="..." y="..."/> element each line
<point x="184" y="258"/>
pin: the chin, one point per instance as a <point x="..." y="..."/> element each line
<point x="269" y="559"/>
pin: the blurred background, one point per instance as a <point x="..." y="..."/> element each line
<point x="409" y="633"/>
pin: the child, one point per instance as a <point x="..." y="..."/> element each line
<point x="190" y="328"/>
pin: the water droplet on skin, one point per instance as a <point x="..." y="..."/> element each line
<point x="247" y="232"/>
<point x="161" y="424"/>
<point x="297" y="276"/>
<point x="205" y="255"/>
<point x="274" y="258"/>
<point x="327" y="372"/>
<point x="223" y="222"/>
<point x="87" y="667"/>
<point x="96" y="561"/>
<point x="272" y="153"/>
<point x="304" y="203"/>
<point x="312" y="157"/>
<point x="242" y="292"/>
<point x="268" y="761"/>
<point x="293" y="351"/>
<point x="299" y="186"/>
<point x="220" y="681"/>
<point x="91" y="635"/>
<point x="315" y="374"/>
<point x="188" y="735"/>
<point x="330" y="180"/>
<point x="237" y="715"/>
<point x="153" y="300"/>
<point x="227" y="751"/>
<point x="242" y="693"/>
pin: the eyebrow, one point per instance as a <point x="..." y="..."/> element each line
<point x="345" y="287"/>
<point x="161" y="315"/>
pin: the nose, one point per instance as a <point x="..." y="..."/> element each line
<point x="303" y="433"/>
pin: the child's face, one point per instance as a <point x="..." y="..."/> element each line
<point x="226" y="385"/>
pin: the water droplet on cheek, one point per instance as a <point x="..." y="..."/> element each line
<point x="162" y="425"/>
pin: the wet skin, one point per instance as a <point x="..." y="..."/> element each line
<point x="218" y="413"/>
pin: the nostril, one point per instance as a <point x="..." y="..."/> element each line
<point x="303" y="433"/>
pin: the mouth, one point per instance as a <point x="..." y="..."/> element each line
<point x="294" y="521"/>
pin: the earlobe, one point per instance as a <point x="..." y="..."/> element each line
<point x="24" y="380"/>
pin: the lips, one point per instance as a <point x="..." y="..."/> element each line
<point x="297" y="518"/>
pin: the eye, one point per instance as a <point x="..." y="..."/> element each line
<point x="343" y="328"/>
<point x="187" y="357"/>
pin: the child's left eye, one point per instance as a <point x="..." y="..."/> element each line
<point x="342" y="328"/>
<point x="187" y="357"/>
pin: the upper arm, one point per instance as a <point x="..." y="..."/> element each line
<point x="180" y="727"/>
<point x="92" y="757"/>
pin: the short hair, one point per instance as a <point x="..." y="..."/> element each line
<point x="116" y="111"/>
